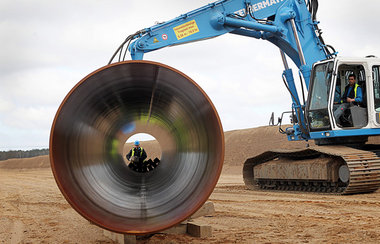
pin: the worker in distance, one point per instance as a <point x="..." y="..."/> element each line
<point x="137" y="159"/>
<point x="136" y="155"/>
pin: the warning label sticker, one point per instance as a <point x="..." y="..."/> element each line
<point x="185" y="30"/>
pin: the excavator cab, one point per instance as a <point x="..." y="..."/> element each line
<point x="329" y="80"/>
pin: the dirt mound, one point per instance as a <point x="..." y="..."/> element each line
<point x="26" y="163"/>
<point x="374" y="140"/>
<point x="243" y="144"/>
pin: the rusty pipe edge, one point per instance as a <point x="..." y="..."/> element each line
<point x="107" y="107"/>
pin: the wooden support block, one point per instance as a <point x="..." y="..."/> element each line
<point x="120" y="238"/>
<point x="207" y="209"/>
<point x="197" y="230"/>
<point x="129" y="239"/>
<point x="181" y="228"/>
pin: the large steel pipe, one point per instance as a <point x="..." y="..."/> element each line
<point x="107" y="107"/>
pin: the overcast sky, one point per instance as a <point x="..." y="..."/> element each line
<point x="48" y="46"/>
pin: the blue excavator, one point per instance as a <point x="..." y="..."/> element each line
<point x="133" y="96"/>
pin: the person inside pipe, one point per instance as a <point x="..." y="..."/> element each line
<point x="136" y="157"/>
<point x="137" y="162"/>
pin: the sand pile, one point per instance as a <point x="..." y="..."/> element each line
<point x="26" y="163"/>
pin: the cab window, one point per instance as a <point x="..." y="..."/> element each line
<point x="319" y="96"/>
<point x="350" y="114"/>
<point x="376" y="86"/>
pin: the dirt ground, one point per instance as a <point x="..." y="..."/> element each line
<point x="32" y="210"/>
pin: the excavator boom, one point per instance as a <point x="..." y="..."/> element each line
<point x="288" y="24"/>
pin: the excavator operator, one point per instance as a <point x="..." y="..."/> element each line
<point x="352" y="96"/>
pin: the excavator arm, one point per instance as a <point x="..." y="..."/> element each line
<point x="289" y="24"/>
<point x="286" y="23"/>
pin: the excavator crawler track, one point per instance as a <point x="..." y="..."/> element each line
<point x="347" y="170"/>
